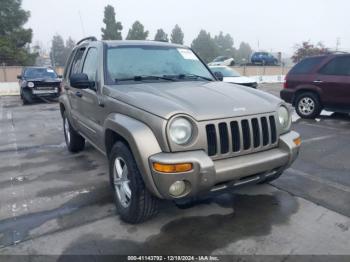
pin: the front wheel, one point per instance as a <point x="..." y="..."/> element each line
<point x="308" y="105"/>
<point x="135" y="204"/>
<point x="74" y="141"/>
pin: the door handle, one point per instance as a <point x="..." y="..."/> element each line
<point x="78" y="94"/>
<point x="318" y="81"/>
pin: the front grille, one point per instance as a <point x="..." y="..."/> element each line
<point x="241" y="136"/>
<point x="46" y="85"/>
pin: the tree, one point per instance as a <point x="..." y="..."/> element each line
<point x="243" y="53"/>
<point x="112" y="30"/>
<point x="14" y="39"/>
<point x="307" y="49"/>
<point x="177" y="36"/>
<point x="58" y="51"/>
<point x="137" y="32"/>
<point x="205" y="46"/>
<point x="224" y="44"/>
<point x="161" y="36"/>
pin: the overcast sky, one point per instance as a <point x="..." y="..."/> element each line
<point x="277" y="25"/>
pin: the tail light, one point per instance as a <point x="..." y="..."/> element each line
<point x="285" y="83"/>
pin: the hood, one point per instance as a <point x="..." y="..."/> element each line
<point x="239" y="80"/>
<point x="46" y="80"/>
<point x="201" y="100"/>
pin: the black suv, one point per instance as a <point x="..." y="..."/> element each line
<point x="37" y="82"/>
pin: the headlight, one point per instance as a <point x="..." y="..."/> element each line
<point x="30" y="84"/>
<point x="180" y="131"/>
<point x="284" y="117"/>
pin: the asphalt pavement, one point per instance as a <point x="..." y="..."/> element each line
<point x="57" y="203"/>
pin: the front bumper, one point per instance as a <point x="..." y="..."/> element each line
<point x="208" y="175"/>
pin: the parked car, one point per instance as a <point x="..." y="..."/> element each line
<point x="320" y="82"/>
<point x="168" y="128"/>
<point x="264" y="58"/>
<point x="222" y="61"/>
<point x="230" y="75"/>
<point x="37" y="82"/>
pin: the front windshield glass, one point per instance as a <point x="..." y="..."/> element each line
<point x="220" y="59"/>
<point x="226" y="72"/>
<point x="35" y="73"/>
<point x="128" y="62"/>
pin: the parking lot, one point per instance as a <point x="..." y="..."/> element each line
<point x="54" y="202"/>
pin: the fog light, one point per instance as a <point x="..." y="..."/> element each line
<point x="177" y="189"/>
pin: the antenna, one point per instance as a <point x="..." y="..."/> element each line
<point x="81" y="23"/>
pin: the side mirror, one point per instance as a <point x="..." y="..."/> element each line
<point x="81" y="81"/>
<point x="19" y="77"/>
<point x="219" y="76"/>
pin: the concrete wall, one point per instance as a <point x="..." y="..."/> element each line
<point x="9" y="73"/>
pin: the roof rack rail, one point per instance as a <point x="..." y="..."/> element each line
<point x="90" y="38"/>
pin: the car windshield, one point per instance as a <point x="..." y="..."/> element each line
<point x="220" y="59"/>
<point x="40" y="73"/>
<point x="226" y="72"/>
<point x="153" y="63"/>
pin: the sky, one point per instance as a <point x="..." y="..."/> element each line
<point x="271" y="25"/>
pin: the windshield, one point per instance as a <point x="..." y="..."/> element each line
<point x="40" y="73"/>
<point x="153" y="63"/>
<point x="226" y="72"/>
<point x="220" y="59"/>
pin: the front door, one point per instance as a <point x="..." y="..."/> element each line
<point x="334" y="80"/>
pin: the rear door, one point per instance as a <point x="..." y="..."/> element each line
<point x="71" y="91"/>
<point x="89" y="107"/>
<point x="334" y="80"/>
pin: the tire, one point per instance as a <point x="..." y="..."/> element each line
<point x="75" y="142"/>
<point x="308" y="106"/>
<point x="134" y="203"/>
<point x="270" y="178"/>
<point x="26" y="97"/>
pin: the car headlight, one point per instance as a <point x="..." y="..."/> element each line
<point x="30" y="84"/>
<point x="284" y="117"/>
<point x="180" y="131"/>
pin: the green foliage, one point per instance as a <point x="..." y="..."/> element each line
<point x="224" y="44"/>
<point x="161" y="36"/>
<point x="137" y="32"/>
<point x="307" y="49"/>
<point x="14" y="39"/>
<point x="205" y="46"/>
<point x="60" y="51"/>
<point x="177" y="36"/>
<point x="112" y="30"/>
<point x="242" y="55"/>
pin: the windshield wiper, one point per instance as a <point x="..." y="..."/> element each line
<point x="144" y="77"/>
<point x="194" y="76"/>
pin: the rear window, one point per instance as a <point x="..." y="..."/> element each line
<point x="306" y="65"/>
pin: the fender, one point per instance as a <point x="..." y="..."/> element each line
<point x="306" y="88"/>
<point x="142" y="142"/>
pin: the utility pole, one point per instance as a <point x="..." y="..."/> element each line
<point x="337" y="44"/>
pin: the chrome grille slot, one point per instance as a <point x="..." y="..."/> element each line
<point x="240" y="136"/>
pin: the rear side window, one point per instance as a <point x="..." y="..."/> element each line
<point x="76" y="66"/>
<point x="90" y="64"/>
<point x="338" y="66"/>
<point x="306" y="65"/>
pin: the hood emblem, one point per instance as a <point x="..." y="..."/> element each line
<point x="239" y="109"/>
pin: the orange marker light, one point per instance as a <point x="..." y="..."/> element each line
<point x="297" y="141"/>
<point x="172" y="168"/>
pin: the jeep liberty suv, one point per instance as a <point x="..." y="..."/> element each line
<point x="169" y="129"/>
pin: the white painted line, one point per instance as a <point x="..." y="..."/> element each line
<point x="318" y="138"/>
<point x="319" y="180"/>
